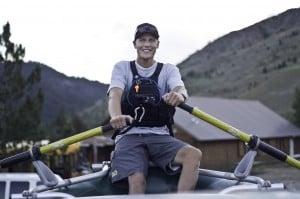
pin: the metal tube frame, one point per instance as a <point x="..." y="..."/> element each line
<point x="68" y="182"/>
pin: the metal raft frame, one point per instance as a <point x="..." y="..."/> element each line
<point x="244" y="182"/>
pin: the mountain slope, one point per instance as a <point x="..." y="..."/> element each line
<point x="63" y="93"/>
<point x="259" y="62"/>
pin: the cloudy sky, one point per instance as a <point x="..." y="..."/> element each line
<point x="85" y="38"/>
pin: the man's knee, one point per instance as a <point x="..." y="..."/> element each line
<point x="137" y="183"/>
<point x="189" y="154"/>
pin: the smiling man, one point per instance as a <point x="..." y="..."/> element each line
<point x="145" y="93"/>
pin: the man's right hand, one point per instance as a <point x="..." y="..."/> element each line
<point x="120" y="121"/>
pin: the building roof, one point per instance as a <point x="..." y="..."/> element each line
<point x="249" y="116"/>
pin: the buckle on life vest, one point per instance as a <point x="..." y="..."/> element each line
<point x="137" y="88"/>
<point x="136" y="118"/>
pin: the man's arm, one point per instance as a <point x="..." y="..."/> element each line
<point x="177" y="96"/>
<point x="114" y="102"/>
<point x="182" y="91"/>
<point x="114" y="108"/>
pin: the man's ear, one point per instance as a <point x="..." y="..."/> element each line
<point x="134" y="44"/>
<point x="157" y="43"/>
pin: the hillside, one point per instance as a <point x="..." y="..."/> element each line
<point x="259" y="62"/>
<point x="63" y="93"/>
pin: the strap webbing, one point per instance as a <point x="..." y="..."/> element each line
<point x="156" y="72"/>
<point x="133" y="69"/>
<point x="154" y="76"/>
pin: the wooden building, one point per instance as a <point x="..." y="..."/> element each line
<point x="97" y="149"/>
<point x="220" y="149"/>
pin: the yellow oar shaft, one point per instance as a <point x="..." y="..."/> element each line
<point x="243" y="136"/>
<point x="35" y="152"/>
<point x="293" y="162"/>
<point x="221" y="125"/>
<point x="71" y="140"/>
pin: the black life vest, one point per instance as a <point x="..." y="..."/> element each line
<point x="144" y="92"/>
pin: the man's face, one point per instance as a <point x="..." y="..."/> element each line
<point x="146" y="46"/>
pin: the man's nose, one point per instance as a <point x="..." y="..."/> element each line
<point x="147" y="43"/>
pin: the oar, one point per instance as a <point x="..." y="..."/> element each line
<point x="243" y="136"/>
<point x="37" y="151"/>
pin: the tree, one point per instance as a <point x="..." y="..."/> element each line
<point x="66" y="125"/>
<point x="21" y="99"/>
<point x="78" y="124"/>
<point x="296" y="107"/>
<point x="62" y="127"/>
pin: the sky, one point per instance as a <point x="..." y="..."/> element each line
<point x="85" y="38"/>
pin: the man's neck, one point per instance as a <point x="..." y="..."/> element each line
<point x="146" y="63"/>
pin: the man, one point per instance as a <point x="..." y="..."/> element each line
<point x="148" y="91"/>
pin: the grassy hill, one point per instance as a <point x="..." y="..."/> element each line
<point x="259" y="62"/>
<point x="65" y="94"/>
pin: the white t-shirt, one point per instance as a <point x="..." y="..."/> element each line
<point x="168" y="79"/>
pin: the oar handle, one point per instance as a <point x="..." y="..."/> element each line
<point x="272" y="151"/>
<point x="106" y="128"/>
<point x="186" y="107"/>
<point x="20" y="157"/>
<point x="27" y="155"/>
<point x="245" y="137"/>
<point x="278" y="154"/>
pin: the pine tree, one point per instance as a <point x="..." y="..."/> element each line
<point x="21" y="99"/>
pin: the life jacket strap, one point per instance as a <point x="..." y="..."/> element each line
<point x="154" y="76"/>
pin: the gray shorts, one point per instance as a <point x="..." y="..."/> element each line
<point x="133" y="152"/>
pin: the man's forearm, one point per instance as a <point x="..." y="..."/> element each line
<point x="181" y="90"/>
<point x="117" y="120"/>
<point x="114" y="107"/>
<point x="114" y="103"/>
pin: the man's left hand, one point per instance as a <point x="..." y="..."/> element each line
<point x="173" y="98"/>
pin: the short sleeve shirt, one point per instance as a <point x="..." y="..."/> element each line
<point x="168" y="79"/>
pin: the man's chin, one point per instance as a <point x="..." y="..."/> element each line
<point x="145" y="57"/>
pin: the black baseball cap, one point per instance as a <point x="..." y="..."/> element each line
<point x="146" y="28"/>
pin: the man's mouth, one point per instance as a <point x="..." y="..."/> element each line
<point x="146" y="50"/>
